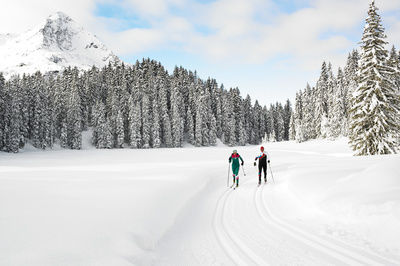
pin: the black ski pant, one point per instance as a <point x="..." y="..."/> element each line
<point x="261" y="167"/>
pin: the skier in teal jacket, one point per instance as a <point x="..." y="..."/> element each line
<point x="234" y="158"/>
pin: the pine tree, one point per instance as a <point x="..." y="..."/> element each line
<point x="12" y="134"/>
<point x="155" y="129"/>
<point x="287" y="114"/>
<point x="321" y="106"/>
<point x="351" y="78"/>
<point x="135" y="124"/>
<point x="205" y="116"/>
<point x="166" y="135"/>
<point x="102" y="137"/>
<point x="198" y="127"/>
<point x="74" y="121"/>
<point x="272" y="135"/>
<point x="190" y="126"/>
<point x="292" y="128"/>
<point x="375" y="103"/>
<point x="176" y="115"/>
<point x="308" y="129"/>
<point x="39" y="115"/>
<point x="297" y="125"/>
<point x="337" y="114"/>
<point x="213" y="130"/>
<point x="2" y="110"/>
<point x="146" y="134"/>
<point x="247" y="113"/>
<point x="119" y="130"/>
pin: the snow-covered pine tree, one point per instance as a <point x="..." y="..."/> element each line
<point x="287" y="114"/>
<point x="64" y="133"/>
<point x="24" y="129"/>
<point x="176" y="115"/>
<point x="330" y="95"/>
<point x="375" y="102"/>
<point x="166" y="135"/>
<point x="321" y="105"/>
<point x="155" y="129"/>
<point x="279" y="126"/>
<point x="337" y="112"/>
<point x="247" y="112"/>
<point x="2" y="110"/>
<point x="256" y="137"/>
<point x="232" y="126"/>
<point x="40" y="115"/>
<point x="298" y="118"/>
<point x="102" y="136"/>
<point x="350" y="77"/>
<point x="213" y="131"/>
<point x="205" y="116"/>
<point x="309" y="128"/>
<point x="146" y="122"/>
<point x="198" y="137"/>
<point x="394" y="61"/>
<point x="74" y="120"/>
<point x="292" y="128"/>
<point x="190" y="126"/>
<point x="12" y="134"/>
<point x="135" y="124"/>
<point x="218" y="112"/>
<point x="119" y="130"/>
<point x="271" y="124"/>
<point x="238" y="116"/>
<point x="272" y="136"/>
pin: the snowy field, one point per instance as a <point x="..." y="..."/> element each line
<point x="172" y="207"/>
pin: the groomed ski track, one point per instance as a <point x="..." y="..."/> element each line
<point x="250" y="234"/>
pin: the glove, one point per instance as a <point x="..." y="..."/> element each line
<point x="229" y="159"/>
<point x="268" y="161"/>
<point x="255" y="159"/>
<point x="242" y="163"/>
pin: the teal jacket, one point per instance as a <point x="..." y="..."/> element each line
<point x="235" y="160"/>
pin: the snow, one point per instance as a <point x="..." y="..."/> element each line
<point x="57" y="43"/>
<point x="172" y="207"/>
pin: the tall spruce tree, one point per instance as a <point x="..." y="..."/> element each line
<point x="375" y="102"/>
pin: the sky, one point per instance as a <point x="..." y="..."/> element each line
<point x="268" y="48"/>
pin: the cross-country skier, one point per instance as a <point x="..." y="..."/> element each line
<point x="262" y="165"/>
<point x="235" y="166"/>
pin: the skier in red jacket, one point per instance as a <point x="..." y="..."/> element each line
<point x="262" y="165"/>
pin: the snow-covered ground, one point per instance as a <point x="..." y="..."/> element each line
<point x="172" y="207"/>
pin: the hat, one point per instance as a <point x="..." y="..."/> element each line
<point x="262" y="148"/>
<point x="234" y="151"/>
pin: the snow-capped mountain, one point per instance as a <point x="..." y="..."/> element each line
<point x="51" y="46"/>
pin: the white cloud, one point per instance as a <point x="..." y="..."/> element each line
<point x="241" y="32"/>
<point x="19" y="15"/>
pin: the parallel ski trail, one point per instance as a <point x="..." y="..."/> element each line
<point x="327" y="247"/>
<point x="234" y="247"/>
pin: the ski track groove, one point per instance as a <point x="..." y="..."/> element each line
<point x="328" y="247"/>
<point x="230" y="242"/>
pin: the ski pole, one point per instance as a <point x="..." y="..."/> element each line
<point x="229" y="172"/>
<point x="244" y="173"/>
<point x="270" y="169"/>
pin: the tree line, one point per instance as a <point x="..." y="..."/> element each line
<point x="138" y="106"/>
<point x="362" y="101"/>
